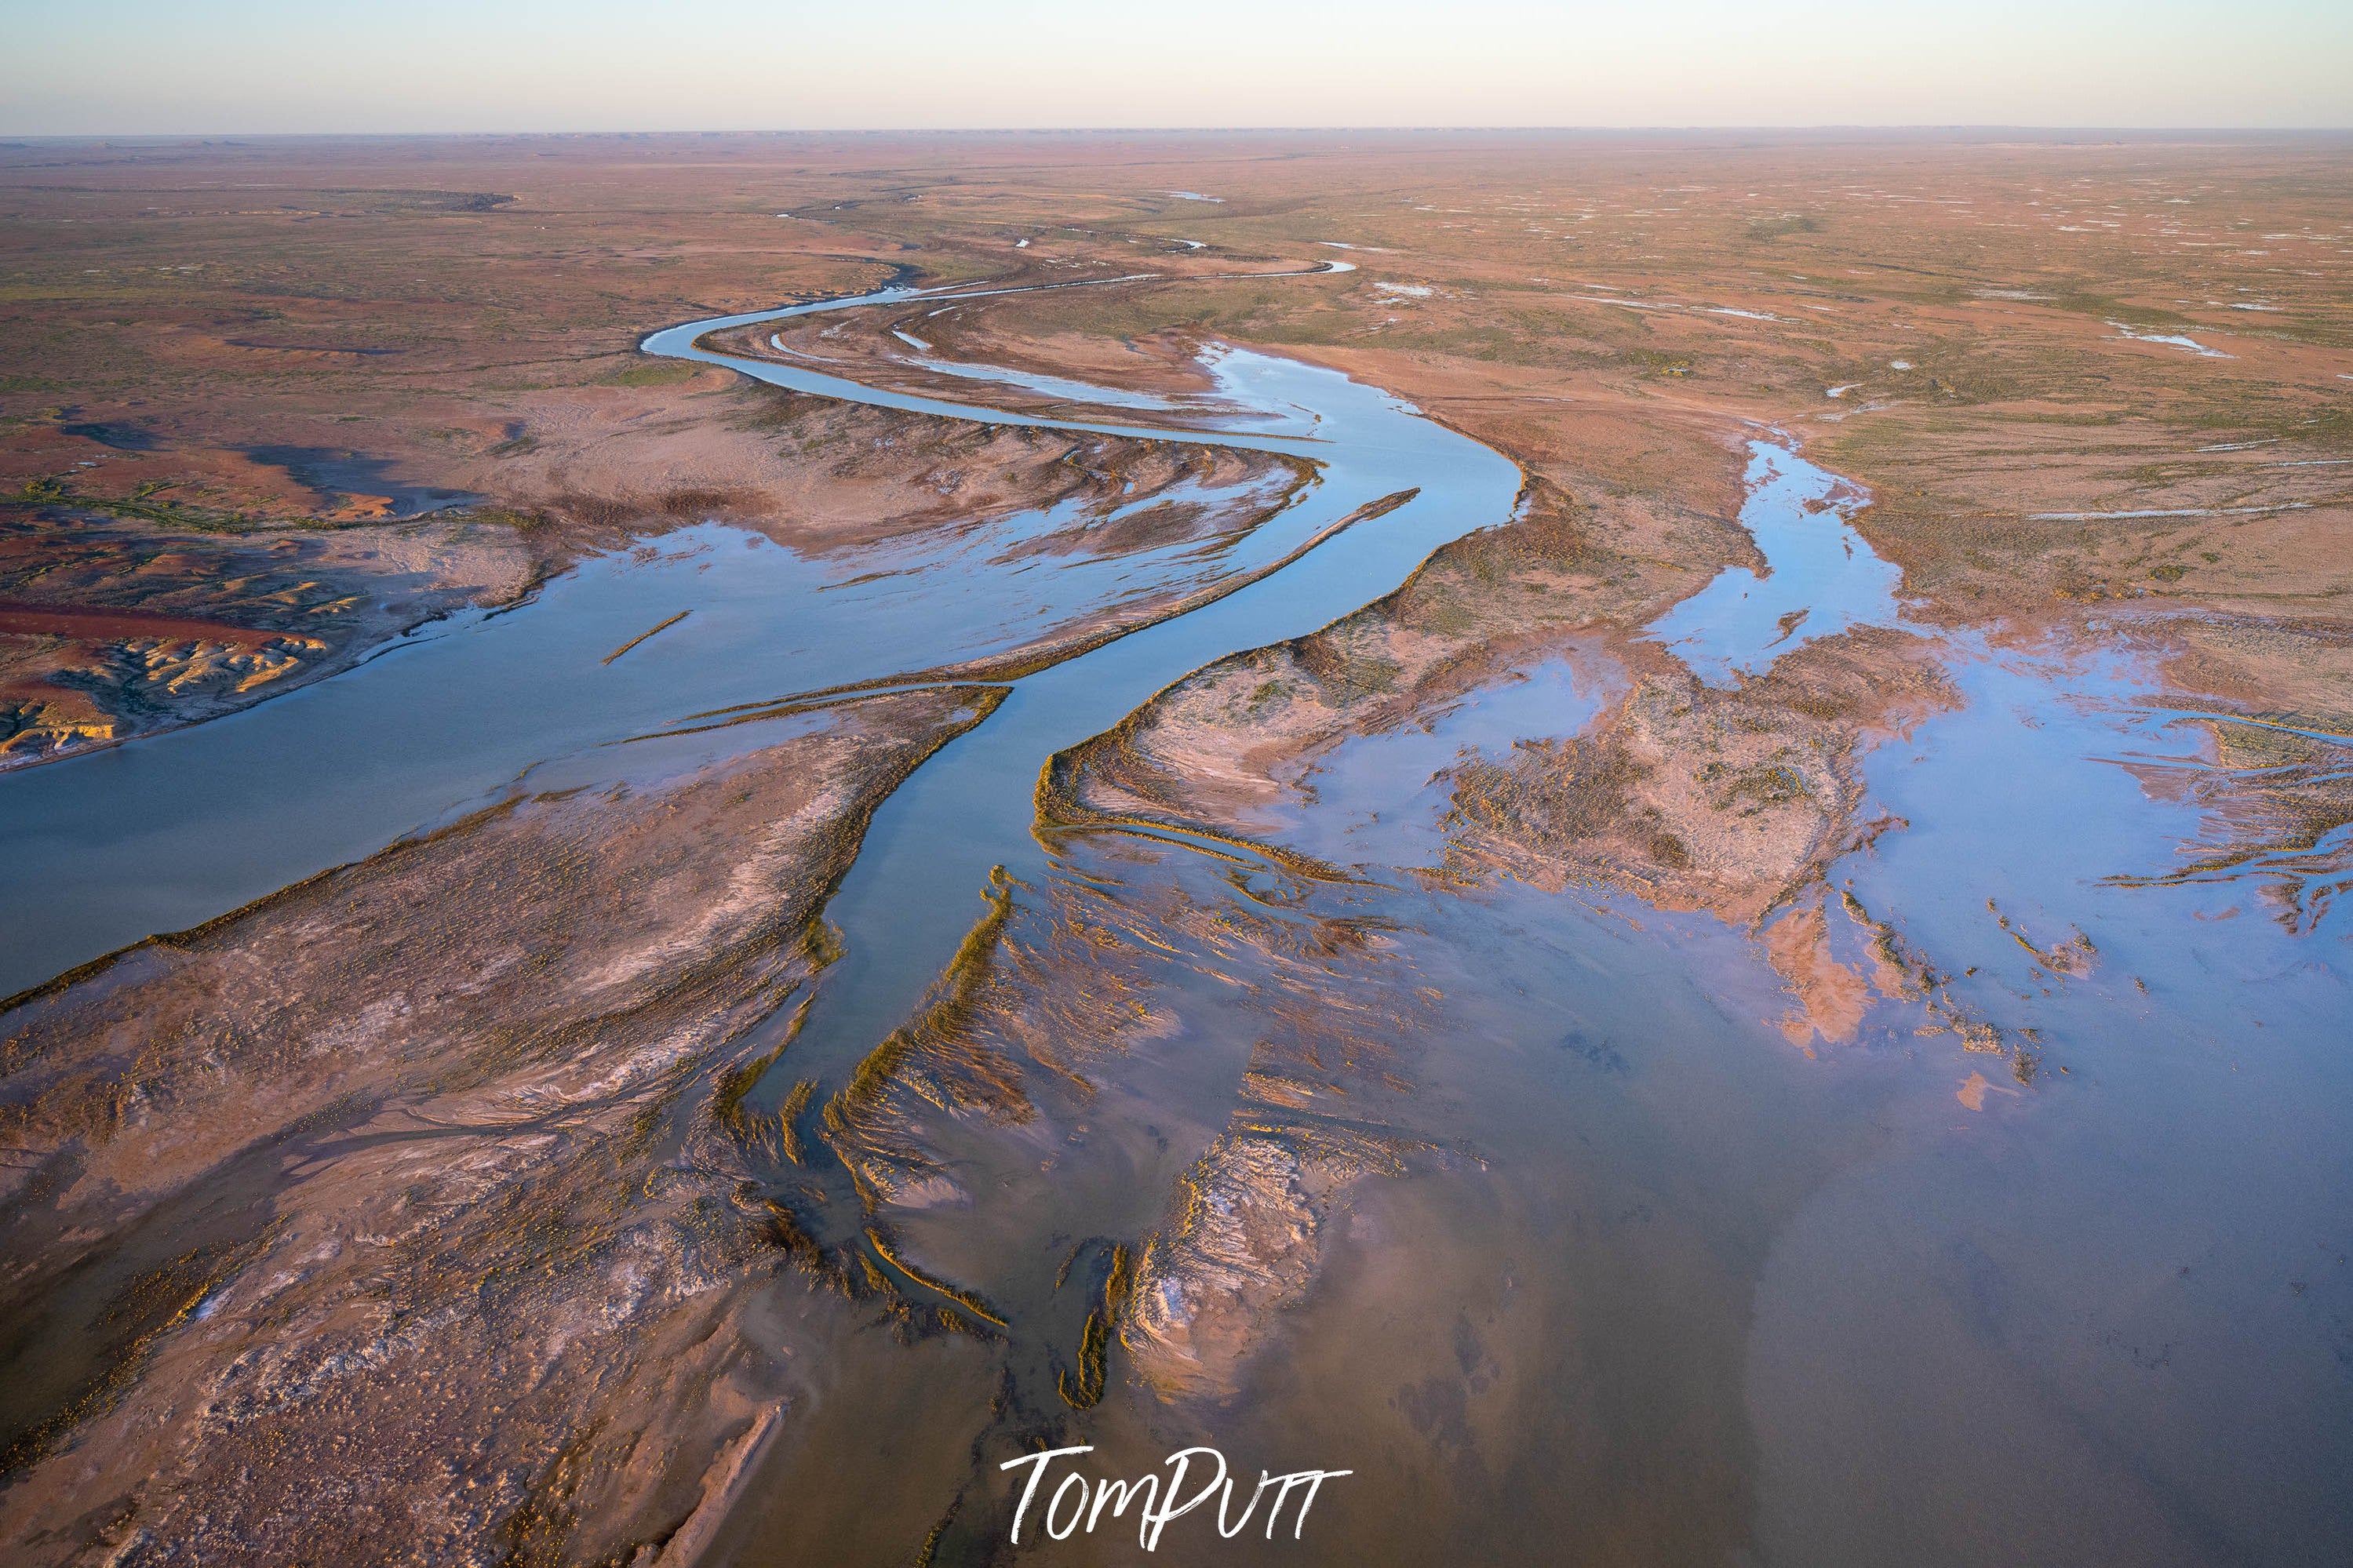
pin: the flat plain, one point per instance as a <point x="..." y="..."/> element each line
<point x="1636" y="1095"/>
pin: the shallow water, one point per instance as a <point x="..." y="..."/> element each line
<point x="1376" y="798"/>
<point x="915" y="889"/>
<point x="1652" y="1285"/>
<point x="2123" y="1287"/>
<point x="2171" y="340"/>
<point x="1665" y="1289"/>
<point x="169" y="830"/>
<point x="1821" y="576"/>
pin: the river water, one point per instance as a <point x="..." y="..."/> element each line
<point x="1668" y="1290"/>
<point x="1680" y="1293"/>
<point x="1821" y="576"/>
<point x="167" y="831"/>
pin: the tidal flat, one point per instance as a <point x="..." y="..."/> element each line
<point x="1661" y="866"/>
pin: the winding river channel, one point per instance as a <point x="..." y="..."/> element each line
<point x="169" y="830"/>
<point x="903" y="908"/>
<point x="1684" y="1293"/>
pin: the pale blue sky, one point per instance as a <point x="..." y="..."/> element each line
<point x="187" y="66"/>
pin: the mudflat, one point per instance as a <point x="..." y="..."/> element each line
<point x="1775" y="996"/>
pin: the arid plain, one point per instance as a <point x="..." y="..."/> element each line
<point x="1630" y="1093"/>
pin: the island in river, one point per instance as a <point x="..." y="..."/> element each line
<point x="1640" y="837"/>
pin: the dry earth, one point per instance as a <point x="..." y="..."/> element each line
<point x="403" y="1215"/>
<point x="264" y="405"/>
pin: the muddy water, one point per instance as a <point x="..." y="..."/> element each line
<point x="2124" y="1285"/>
<point x="1658" y="1288"/>
<point x="1653" y="1286"/>
<point x="1830" y="1313"/>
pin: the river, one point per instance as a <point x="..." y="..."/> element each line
<point x="1664" y="1288"/>
<point x="169" y="830"/>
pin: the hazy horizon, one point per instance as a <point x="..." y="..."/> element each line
<point x="1923" y="131"/>
<point x="141" y="68"/>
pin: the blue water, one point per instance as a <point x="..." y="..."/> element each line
<point x="169" y="830"/>
<point x="1818" y="572"/>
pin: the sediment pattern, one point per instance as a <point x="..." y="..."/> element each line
<point x="423" y="1166"/>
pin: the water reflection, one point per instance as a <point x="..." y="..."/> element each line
<point x="1379" y="798"/>
<point x="1821" y="576"/>
<point x="1633" y="1277"/>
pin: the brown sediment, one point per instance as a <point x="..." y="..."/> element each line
<point x="105" y="646"/>
<point x="2268" y="672"/>
<point x="880" y="1164"/>
<point x="1901" y="973"/>
<point x="1732" y="800"/>
<point x="2073" y="958"/>
<point x="1245" y="1242"/>
<point x="1586" y="313"/>
<point x="2276" y="804"/>
<point x="1696" y="796"/>
<point x="412" y="1166"/>
<point x="868" y="350"/>
<point x="1327" y="1100"/>
<point x="1173" y="765"/>
<point x="1561" y="338"/>
<point x="1898" y="972"/>
<point x="1084" y="1389"/>
<point x="788" y="1116"/>
<point x="2018" y="400"/>
<point x="1041" y="1013"/>
<point x="1110" y="625"/>
<point x="652" y="631"/>
<point x="818" y="474"/>
<point x="968" y="1300"/>
<point x="106" y="625"/>
<point x="1029" y="661"/>
<point x="140" y="627"/>
<point x="293" y="605"/>
<point x="1832" y="996"/>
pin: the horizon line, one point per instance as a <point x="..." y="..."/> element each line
<point x="1952" y="128"/>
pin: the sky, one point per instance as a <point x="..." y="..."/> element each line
<point x="225" y="67"/>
